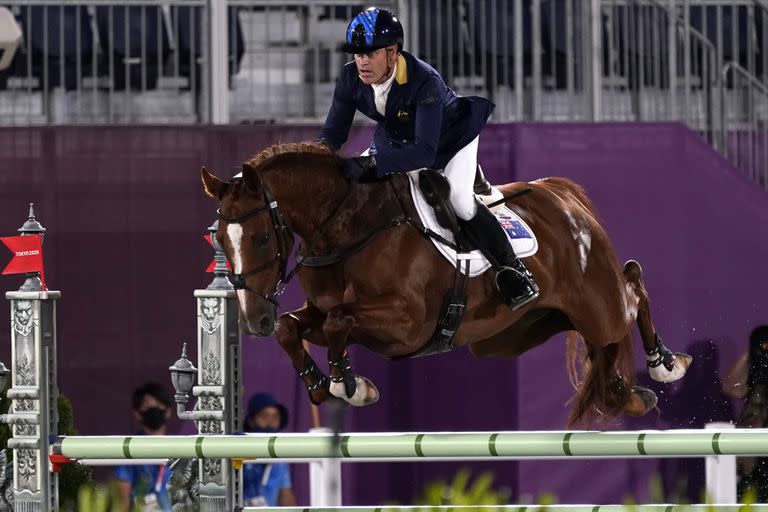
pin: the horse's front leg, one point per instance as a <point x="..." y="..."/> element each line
<point x="385" y="316"/>
<point x="306" y="322"/>
<point x="355" y="389"/>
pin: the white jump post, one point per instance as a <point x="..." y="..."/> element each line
<point x="324" y="479"/>
<point x="721" y="472"/>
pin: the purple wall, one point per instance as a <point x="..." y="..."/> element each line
<point x="126" y="213"/>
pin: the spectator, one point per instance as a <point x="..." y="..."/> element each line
<point x="748" y="379"/>
<point x="266" y="484"/>
<point x="144" y="487"/>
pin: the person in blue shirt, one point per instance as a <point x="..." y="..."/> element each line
<point x="266" y="484"/>
<point x="145" y="487"/>
<point x="421" y="123"/>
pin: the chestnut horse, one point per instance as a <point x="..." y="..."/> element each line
<point x="372" y="277"/>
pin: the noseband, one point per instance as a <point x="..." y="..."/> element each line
<point x="283" y="235"/>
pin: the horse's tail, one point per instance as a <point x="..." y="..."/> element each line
<point x="600" y="395"/>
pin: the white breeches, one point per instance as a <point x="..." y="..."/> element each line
<point x="460" y="172"/>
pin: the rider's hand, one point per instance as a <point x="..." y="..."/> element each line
<point x="324" y="142"/>
<point x="360" y="168"/>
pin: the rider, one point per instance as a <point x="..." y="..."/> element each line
<point x="421" y="123"/>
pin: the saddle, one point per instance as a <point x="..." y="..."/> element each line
<point x="436" y="191"/>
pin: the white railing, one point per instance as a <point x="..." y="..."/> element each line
<point x="744" y="122"/>
<point x="193" y="61"/>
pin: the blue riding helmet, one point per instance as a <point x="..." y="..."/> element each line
<point x="372" y="29"/>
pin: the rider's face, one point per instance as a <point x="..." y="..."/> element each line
<point x="374" y="67"/>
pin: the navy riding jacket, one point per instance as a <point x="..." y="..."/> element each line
<point x="425" y="122"/>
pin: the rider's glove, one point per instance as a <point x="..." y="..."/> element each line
<point x="323" y="141"/>
<point x="360" y="168"/>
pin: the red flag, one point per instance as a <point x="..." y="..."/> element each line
<point x="27" y="255"/>
<point x="213" y="263"/>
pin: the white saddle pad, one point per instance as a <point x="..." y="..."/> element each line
<point x="521" y="237"/>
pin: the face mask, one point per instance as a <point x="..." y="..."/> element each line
<point x="153" y="418"/>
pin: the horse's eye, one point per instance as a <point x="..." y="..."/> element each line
<point x="260" y="240"/>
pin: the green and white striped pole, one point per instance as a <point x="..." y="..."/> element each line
<point x="428" y="445"/>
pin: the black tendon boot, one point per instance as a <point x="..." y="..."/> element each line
<point x="513" y="280"/>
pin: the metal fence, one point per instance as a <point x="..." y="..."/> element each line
<point x="289" y="69"/>
<point x="744" y="130"/>
<point x="659" y="67"/>
<point x="148" y="61"/>
<point x="192" y="61"/>
<point x="93" y="61"/>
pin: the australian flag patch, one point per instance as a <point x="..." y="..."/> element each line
<point x="514" y="228"/>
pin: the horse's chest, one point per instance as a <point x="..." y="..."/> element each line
<point x="330" y="296"/>
<point x="327" y="302"/>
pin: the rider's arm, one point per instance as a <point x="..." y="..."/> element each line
<point x="342" y="112"/>
<point x="422" y="153"/>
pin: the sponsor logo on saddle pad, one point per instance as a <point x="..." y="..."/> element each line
<point x="521" y="237"/>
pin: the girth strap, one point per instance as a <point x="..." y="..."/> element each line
<point x="451" y="313"/>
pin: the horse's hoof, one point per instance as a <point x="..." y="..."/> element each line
<point x="661" y="374"/>
<point x="632" y="270"/>
<point x="641" y="400"/>
<point x="372" y="392"/>
<point x="365" y="392"/>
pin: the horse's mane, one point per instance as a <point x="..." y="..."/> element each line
<point x="265" y="156"/>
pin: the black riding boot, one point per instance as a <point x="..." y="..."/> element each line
<point x="513" y="280"/>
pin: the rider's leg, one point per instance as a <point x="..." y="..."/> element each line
<point x="513" y="280"/>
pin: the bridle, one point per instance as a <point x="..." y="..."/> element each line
<point x="284" y="237"/>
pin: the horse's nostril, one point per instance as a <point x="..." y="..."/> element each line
<point x="266" y="324"/>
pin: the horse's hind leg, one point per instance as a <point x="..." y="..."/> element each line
<point x="663" y="365"/>
<point x="605" y="389"/>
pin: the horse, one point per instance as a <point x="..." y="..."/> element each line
<point x="372" y="277"/>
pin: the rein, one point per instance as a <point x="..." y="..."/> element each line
<point x="329" y="259"/>
<point x="284" y="235"/>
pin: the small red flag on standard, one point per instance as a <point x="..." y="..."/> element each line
<point x="27" y="254"/>
<point x="213" y="263"/>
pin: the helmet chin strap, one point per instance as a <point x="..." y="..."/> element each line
<point x="386" y="74"/>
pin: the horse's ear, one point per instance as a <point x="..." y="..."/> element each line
<point x="214" y="187"/>
<point x="251" y="178"/>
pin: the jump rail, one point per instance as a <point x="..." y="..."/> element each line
<point x="439" y="445"/>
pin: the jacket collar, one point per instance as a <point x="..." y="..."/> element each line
<point x="401" y="74"/>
